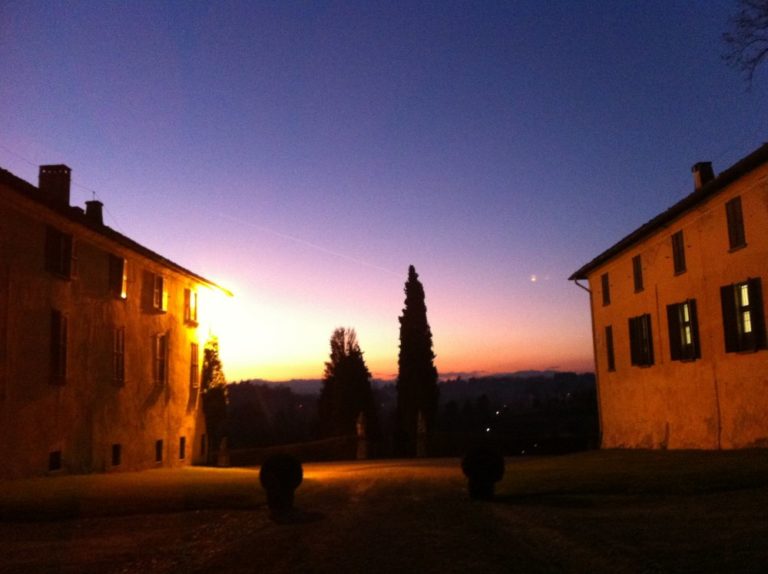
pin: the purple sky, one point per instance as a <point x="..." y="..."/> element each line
<point x="304" y="154"/>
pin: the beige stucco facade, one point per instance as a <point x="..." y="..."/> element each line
<point x="718" y="399"/>
<point x="122" y="400"/>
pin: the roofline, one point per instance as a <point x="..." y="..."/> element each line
<point x="736" y="171"/>
<point x="77" y="216"/>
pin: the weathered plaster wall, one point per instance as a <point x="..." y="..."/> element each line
<point x="84" y="417"/>
<point x="719" y="400"/>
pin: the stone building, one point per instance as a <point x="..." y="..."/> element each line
<point x="678" y="319"/>
<point x="101" y="340"/>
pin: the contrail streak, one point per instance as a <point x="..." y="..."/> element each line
<point x="306" y="243"/>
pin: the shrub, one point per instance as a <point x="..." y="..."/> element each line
<point x="280" y="475"/>
<point x="484" y="467"/>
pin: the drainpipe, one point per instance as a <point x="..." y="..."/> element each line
<point x="594" y="357"/>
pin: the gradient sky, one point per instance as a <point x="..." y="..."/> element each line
<point x="303" y="154"/>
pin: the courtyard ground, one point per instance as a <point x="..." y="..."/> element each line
<point x="608" y="511"/>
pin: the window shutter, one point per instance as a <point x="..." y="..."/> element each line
<point x="694" y="329"/>
<point x="730" y="326"/>
<point x="634" y="341"/>
<point x="673" y="322"/>
<point x="649" y="360"/>
<point x="756" y="312"/>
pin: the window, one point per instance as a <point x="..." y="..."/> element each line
<point x="118" y="277"/>
<point x="678" y="253"/>
<point x="183" y="448"/>
<point x="59" y="253"/>
<point x="118" y="355"/>
<point x="159" y="450"/>
<point x="194" y="366"/>
<point x="743" y="318"/>
<point x="160" y="356"/>
<point x="683" y="331"/>
<point x="58" y="347"/>
<point x="609" y="348"/>
<point x="641" y="340"/>
<point x="606" y="289"/>
<point x="159" y="294"/>
<point x="736" y="237"/>
<point x="117" y="454"/>
<point x="54" y="460"/>
<point x="637" y="269"/>
<point x="190" y="306"/>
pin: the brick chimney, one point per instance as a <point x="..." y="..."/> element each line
<point x="702" y="174"/>
<point x="54" y="183"/>
<point x="93" y="211"/>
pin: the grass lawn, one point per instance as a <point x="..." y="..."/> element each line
<point x="608" y="511"/>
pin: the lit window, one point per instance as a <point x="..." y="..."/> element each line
<point x="743" y="319"/>
<point x="735" y="218"/>
<point x="58" y="347"/>
<point x="683" y="331"/>
<point x="118" y="277"/>
<point x="678" y="253"/>
<point x="641" y="340"/>
<point x="159" y="294"/>
<point x="190" y="306"/>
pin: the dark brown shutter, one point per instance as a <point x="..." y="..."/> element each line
<point x="756" y="311"/>
<point x="649" y="332"/>
<point x="730" y="325"/>
<point x="675" y="340"/>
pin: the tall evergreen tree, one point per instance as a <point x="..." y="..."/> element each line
<point x="417" y="391"/>
<point x="346" y="390"/>
<point x="214" y="393"/>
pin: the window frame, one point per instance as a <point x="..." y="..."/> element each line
<point x="683" y="327"/>
<point x="118" y="277"/>
<point x="59" y="338"/>
<point x="678" y="253"/>
<point x="60" y="253"/>
<point x="605" y="286"/>
<point x="159" y="293"/>
<point x="194" y="365"/>
<point x="734" y="216"/>
<point x="190" y="306"/>
<point x="743" y="316"/>
<point x="637" y="273"/>
<point x="609" y="348"/>
<point x="641" y="340"/>
<point x="160" y="355"/>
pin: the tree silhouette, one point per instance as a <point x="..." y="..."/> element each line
<point x="346" y="390"/>
<point x="747" y="41"/>
<point x="417" y="391"/>
<point x="214" y="391"/>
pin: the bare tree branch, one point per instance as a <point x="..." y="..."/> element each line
<point x="747" y="40"/>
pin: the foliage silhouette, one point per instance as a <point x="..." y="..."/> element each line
<point x="214" y="393"/>
<point x="280" y="476"/>
<point x="484" y="467"/>
<point x="417" y="390"/>
<point x="346" y="390"/>
<point x="747" y="41"/>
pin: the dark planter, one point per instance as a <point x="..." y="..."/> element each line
<point x="483" y="467"/>
<point x="280" y="475"/>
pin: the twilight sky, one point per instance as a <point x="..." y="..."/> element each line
<point x="303" y="154"/>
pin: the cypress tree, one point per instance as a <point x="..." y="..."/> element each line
<point x="346" y="390"/>
<point x="417" y="391"/>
